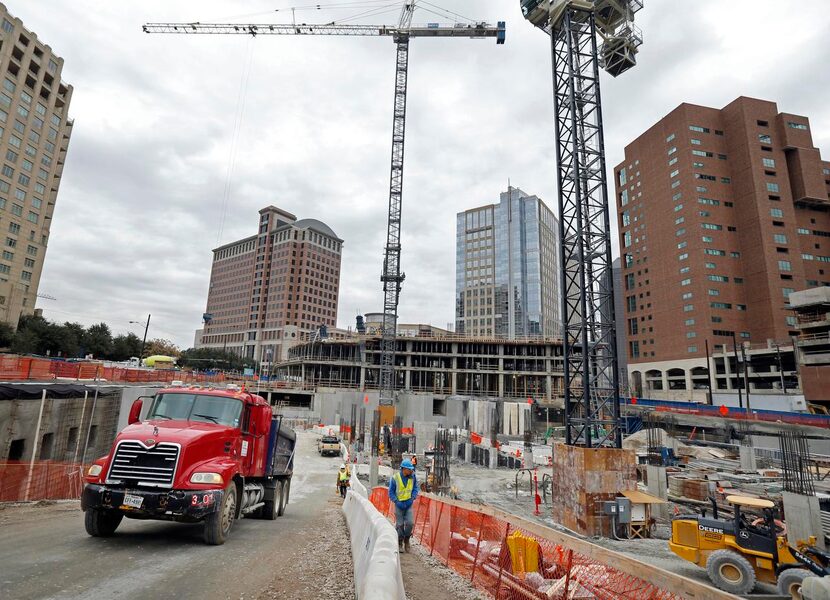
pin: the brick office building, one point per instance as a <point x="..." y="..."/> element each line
<point x="269" y="289"/>
<point x="722" y="214"/>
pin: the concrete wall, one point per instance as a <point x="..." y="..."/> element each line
<point x="64" y="427"/>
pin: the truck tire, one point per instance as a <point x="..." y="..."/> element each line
<point x="789" y="582"/>
<point x="285" y="488"/>
<point x="270" y="510"/>
<point x="218" y="524"/>
<point x="731" y="572"/>
<point x="101" y="523"/>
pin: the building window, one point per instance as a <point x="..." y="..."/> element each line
<point x="691" y="335"/>
<point x="764" y="138"/>
<point x="624" y="197"/>
<point x="680" y="232"/>
<point x="695" y="142"/>
<point x="777" y="213"/>
<point x="698" y="129"/>
<point x="627" y="239"/>
<point x="791" y="321"/>
<point x="793" y="125"/>
<point x="678" y="208"/>
<point x="712" y="292"/>
<point x="688" y="307"/>
<point x="718" y="278"/>
<point x="691" y="349"/>
<point x="780" y="238"/>
<point x="787" y="292"/>
<point x="683" y="256"/>
<point x="784" y="265"/>
<point x="634" y="348"/>
<point x="682" y="245"/>
<point x="26" y="276"/>
<point x="672" y="150"/>
<point x="712" y="226"/>
<point x="769" y="163"/>
<point x="688" y="296"/>
<point x="8" y="27"/>
<point x="670" y="138"/>
<point x="690" y="322"/>
<point x="673" y="161"/>
<point x="622" y="177"/>
<point x="686" y="282"/>
<point x="674" y="173"/>
<point x="773" y="187"/>
<point x="679" y="220"/>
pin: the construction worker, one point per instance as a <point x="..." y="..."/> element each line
<point x="403" y="489"/>
<point x="343" y="477"/>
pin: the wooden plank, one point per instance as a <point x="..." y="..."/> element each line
<point x="665" y="580"/>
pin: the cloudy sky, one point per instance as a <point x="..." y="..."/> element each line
<point x="161" y="134"/>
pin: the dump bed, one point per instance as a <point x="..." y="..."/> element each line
<point x="282" y="441"/>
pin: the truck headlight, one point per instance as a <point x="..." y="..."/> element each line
<point x="94" y="470"/>
<point x="206" y="478"/>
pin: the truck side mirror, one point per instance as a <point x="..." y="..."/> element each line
<point x="135" y="412"/>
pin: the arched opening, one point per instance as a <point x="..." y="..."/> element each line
<point x="677" y="379"/>
<point x="654" y="380"/>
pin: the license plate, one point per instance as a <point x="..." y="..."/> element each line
<point x="133" y="501"/>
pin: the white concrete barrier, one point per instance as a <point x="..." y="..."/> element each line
<point x="377" y="568"/>
<point x="357" y="486"/>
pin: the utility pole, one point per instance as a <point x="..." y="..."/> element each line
<point x="746" y="377"/>
<point x="780" y="368"/>
<point x="709" y="373"/>
<point x="143" y="341"/>
<point x="737" y="370"/>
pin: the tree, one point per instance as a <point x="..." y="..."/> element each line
<point x="25" y="342"/>
<point x="6" y="335"/>
<point x="125" y="347"/>
<point x="97" y="340"/>
<point x="162" y="347"/>
<point x="75" y="333"/>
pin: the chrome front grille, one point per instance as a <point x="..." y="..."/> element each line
<point x="136" y="464"/>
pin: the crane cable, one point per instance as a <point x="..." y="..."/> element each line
<point x="241" y="100"/>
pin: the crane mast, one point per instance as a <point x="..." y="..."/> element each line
<point x="391" y="276"/>
<point x="592" y="404"/>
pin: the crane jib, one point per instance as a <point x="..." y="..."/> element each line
<point x="472" y="31"/>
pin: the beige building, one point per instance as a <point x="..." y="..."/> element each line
<point x="274" y="289"/>
<point x="34" y="137"/>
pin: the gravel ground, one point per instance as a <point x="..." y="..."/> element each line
<point x="321" y="567"/>
<point x="426" y="578"/>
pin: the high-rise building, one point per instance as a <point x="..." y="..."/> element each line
<point x="270" y="290"/>
<point x="506" y="277"/>
<point x="722" y="215"/>
<point x="34" y="137"/>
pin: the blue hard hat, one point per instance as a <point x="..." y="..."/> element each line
<point x="407" y="464"/>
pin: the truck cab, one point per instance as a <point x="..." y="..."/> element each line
<point x="199" y="455"/>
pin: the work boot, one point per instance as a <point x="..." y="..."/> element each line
<point x="406" y="544"/>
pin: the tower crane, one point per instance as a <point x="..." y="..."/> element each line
<point x="592" y="403"/>
<point x="391" y="276"/>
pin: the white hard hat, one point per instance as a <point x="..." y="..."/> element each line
<point x="342" y="465"/>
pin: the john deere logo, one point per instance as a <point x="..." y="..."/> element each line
<point x="149" y="442"/>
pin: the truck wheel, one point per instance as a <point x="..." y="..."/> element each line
<point x="101" y="523"/>
<point x="730" y="572"/>
<point x="270" y="510"/>
<point x="285" y="488"/>
<point x="789" y="582"/>
<point x="218" y="523"/>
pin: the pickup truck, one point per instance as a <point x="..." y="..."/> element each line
<point x="204" y="455"/>
<point x="329" y="445"/>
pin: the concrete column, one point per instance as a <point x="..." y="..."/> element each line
<point x="373" y="471"/>
<point x="407" y="374"/>
<point x="454" y="376"/>
<point x="803" y="517"/>
<point x="468" y="452"/>
<point x="748" y="462"/>
<point x="658" y="486"/>
<point x="548" y="383"/>
<point x="454" y="449"/>
<point x="494" y="458"/>
<point x="664" y="377"/>
<point x="362" y="379"/>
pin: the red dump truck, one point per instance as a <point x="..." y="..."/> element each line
<point x="199" y="455"/>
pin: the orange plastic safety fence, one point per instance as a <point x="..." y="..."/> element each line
<point x="20" y="368"/>
<point x="41" y="481"/>
<point x="510" y="563"/>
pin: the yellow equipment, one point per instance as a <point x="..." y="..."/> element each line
<point x="747" y="548"/>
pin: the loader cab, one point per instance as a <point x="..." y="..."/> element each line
<point x="754" y="524"/>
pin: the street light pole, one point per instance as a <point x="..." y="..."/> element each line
<point x="737" y="370"/>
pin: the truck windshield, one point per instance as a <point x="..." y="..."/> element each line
<point x="197" y="407"/>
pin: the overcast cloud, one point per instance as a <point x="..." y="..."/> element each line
<point x="141" y="201"/>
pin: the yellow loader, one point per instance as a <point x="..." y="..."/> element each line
<point x="747" y="548"/>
